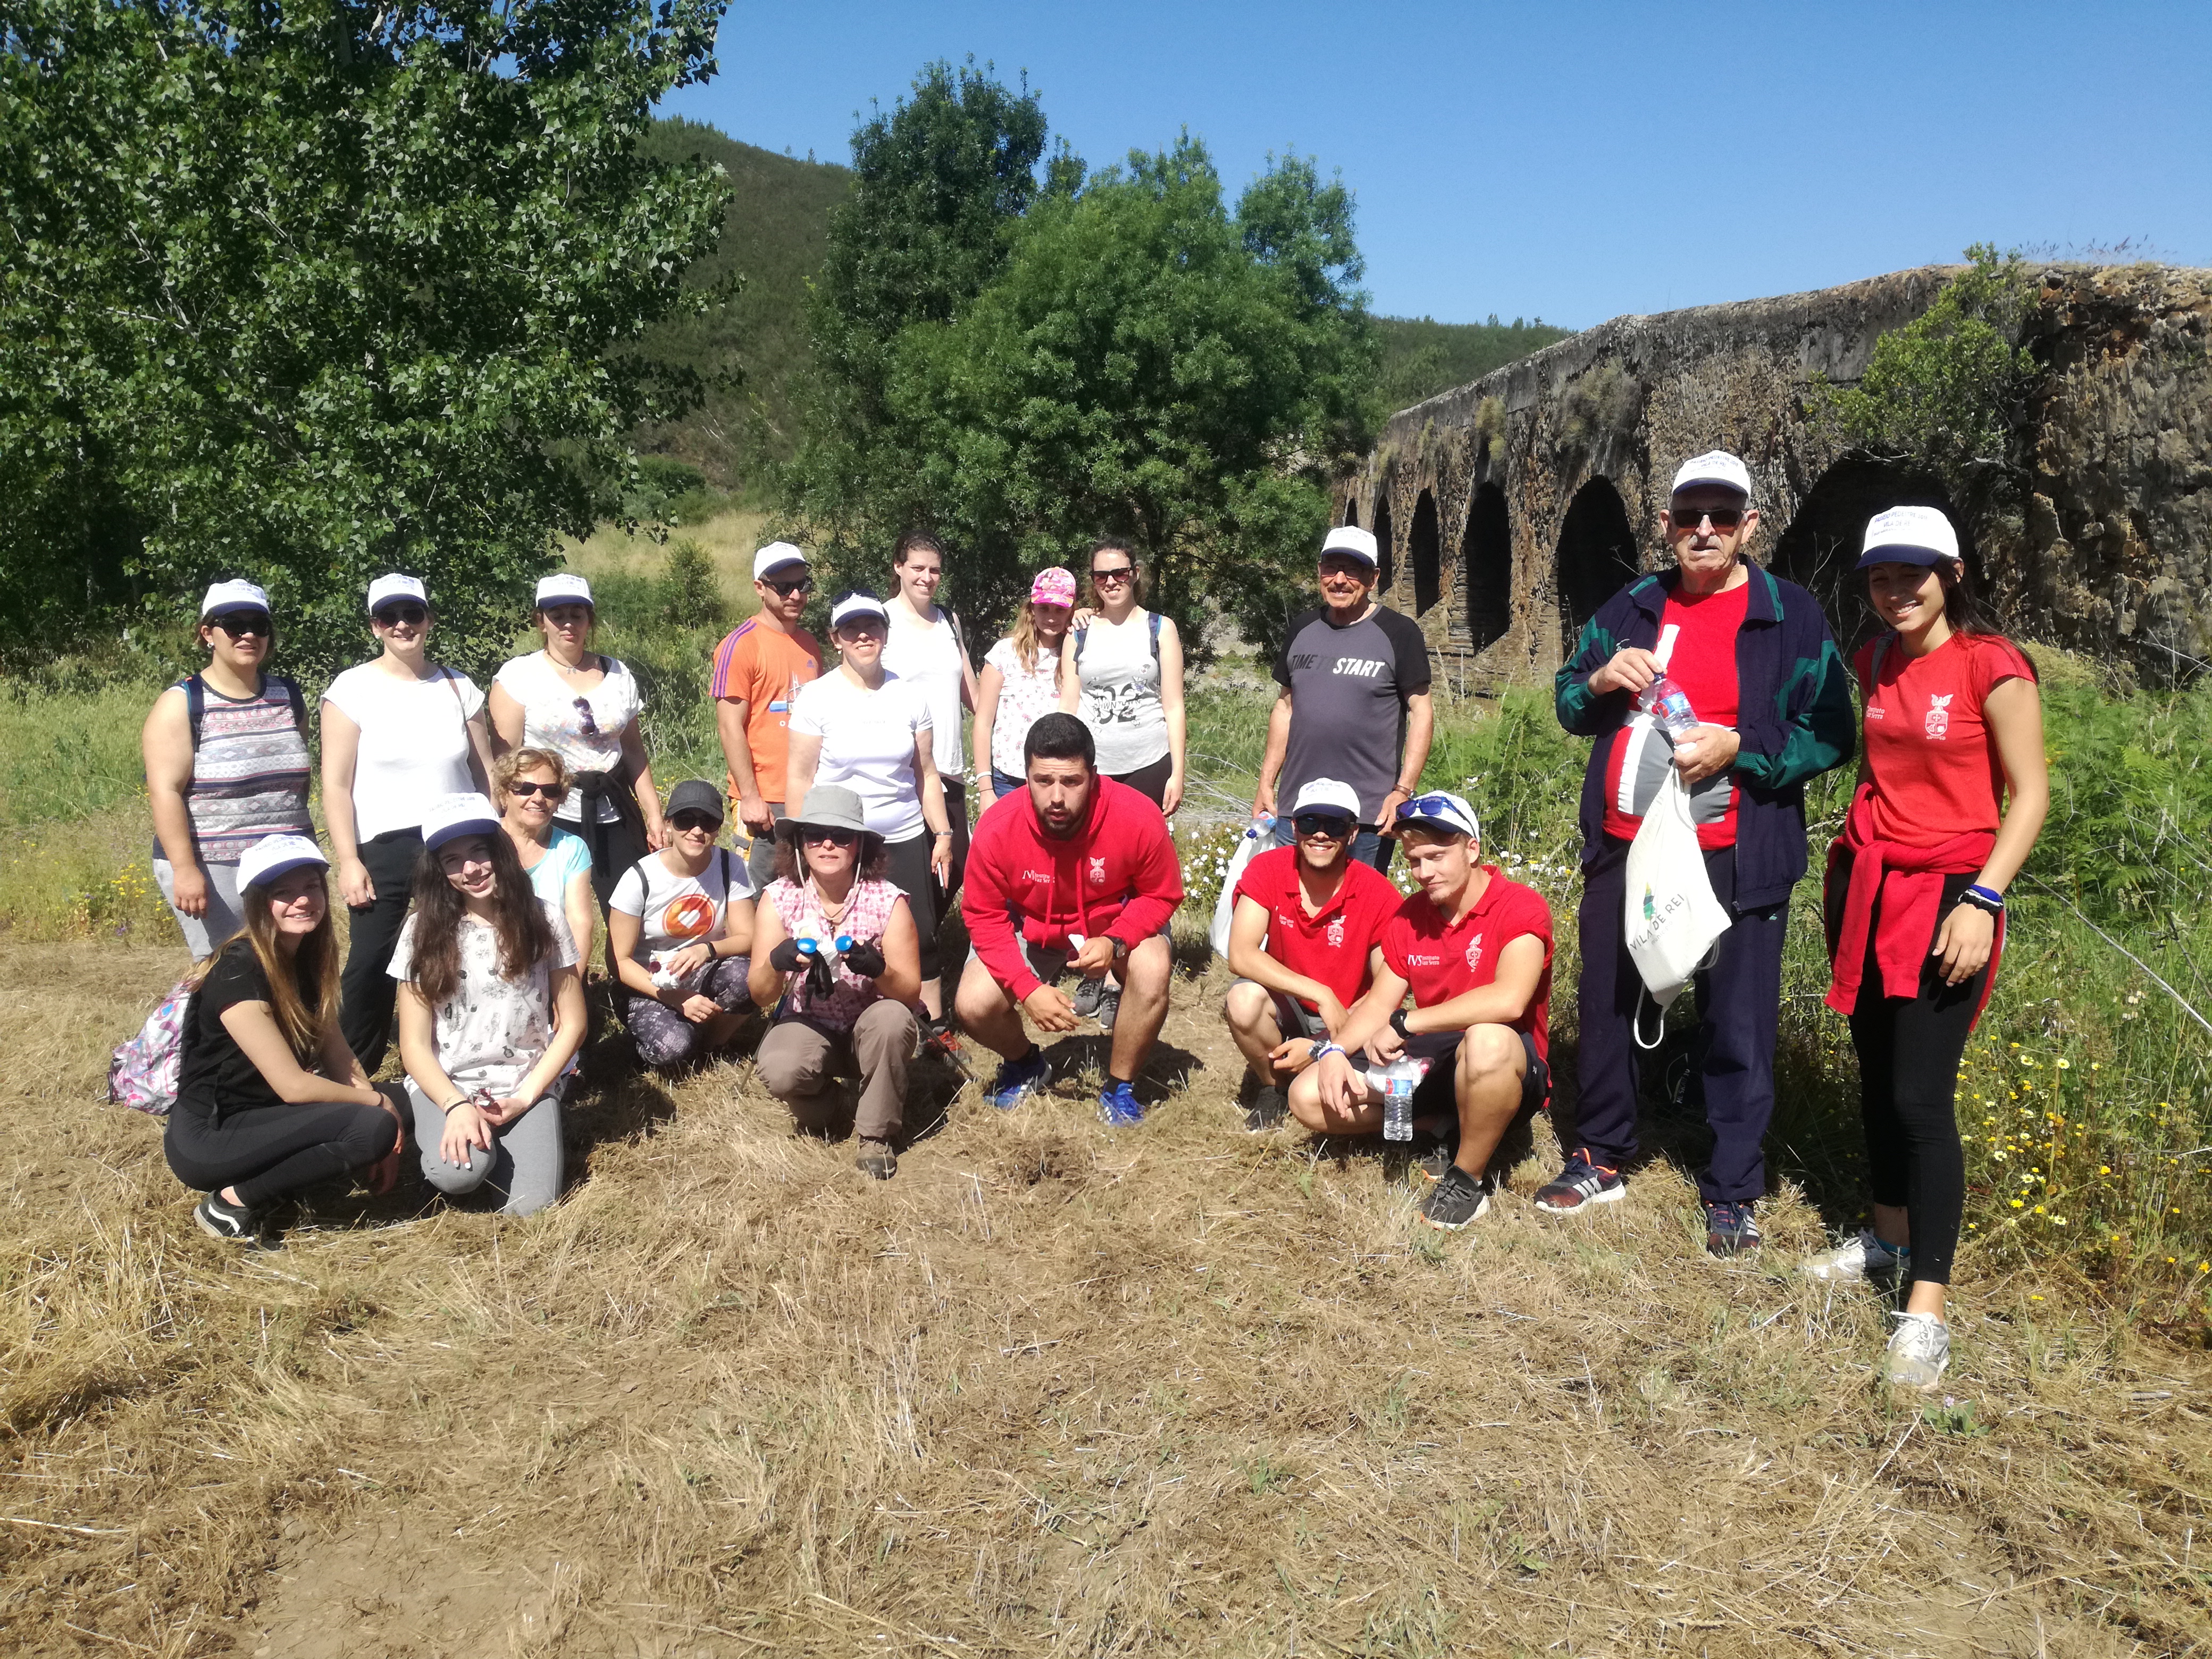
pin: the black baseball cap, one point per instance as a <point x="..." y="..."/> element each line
<point x="693" y="795"/>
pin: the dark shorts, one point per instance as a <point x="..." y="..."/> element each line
<point x="1434" y="1097"/>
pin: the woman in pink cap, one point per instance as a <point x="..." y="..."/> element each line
<point x="1021" y="678"/>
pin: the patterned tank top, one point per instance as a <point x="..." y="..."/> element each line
<point x="249" y="774"/>
<point x="867" y="913"/>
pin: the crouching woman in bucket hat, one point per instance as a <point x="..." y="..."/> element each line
<point x="270" y="1099"/>
<point x="491" y="1012"/>
<point x="836" y="956"/>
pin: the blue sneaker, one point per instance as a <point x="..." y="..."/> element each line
<point x="1118" y="1108"/>
<point x="1018" y="1079"/>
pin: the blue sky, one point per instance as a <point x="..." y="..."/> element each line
<point x="1582" y="161"/>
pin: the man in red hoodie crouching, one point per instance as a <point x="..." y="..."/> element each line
<point x="1076" y="873"/>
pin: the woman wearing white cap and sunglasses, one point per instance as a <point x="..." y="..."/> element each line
<point x="269" y="1097"/>
<point x="399" y="733"/>
<point x="866" y="729"/>
<point x="226" y="753"/>
<point x="584" y="707"/>
<point x="491" y="1012"/>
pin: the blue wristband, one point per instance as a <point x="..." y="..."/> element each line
<point x="1987" y="895"/>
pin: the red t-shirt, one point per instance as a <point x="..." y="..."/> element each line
<point x="1704" y="665"/>
<point x="1441" y="962"/>
<point x="1333" y="944"/>
<point x="1930" y="755"/>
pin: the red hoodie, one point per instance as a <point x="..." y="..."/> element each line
<point x="1117" y="875"/>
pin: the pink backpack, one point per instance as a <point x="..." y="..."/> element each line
<point x="143" y="1073"/>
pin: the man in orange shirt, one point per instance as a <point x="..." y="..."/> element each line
<point x="758" y="669"/>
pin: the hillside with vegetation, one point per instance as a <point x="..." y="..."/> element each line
<point x="1422" y="356"/>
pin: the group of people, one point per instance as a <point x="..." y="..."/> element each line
<point x="479" y="841"/>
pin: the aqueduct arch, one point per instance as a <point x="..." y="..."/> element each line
<point x="1486" y="569"/>
<point x="1596" y="556"/>
<point x="1426" y="546"/>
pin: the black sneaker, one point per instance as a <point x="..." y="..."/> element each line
<point x="1109" y="1004"/>
<point x="1456" y="1200"/>
<point x="231" y="1223"/>
<point x="1731" y="1228"/>
<point x="1086" y="998"/>
<point x="1581" y="1184"/>
<point x="1267" y="1110"/>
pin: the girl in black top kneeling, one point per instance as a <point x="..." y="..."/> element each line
<point x="269" y="1097"/>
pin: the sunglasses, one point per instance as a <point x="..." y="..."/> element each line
<point x="1322" y="823"/>
<point x="688" y="822"/>
<point x="413" y="615"/>
<point x="816" y="837"/>
<point x="240" y="624"/>
<point x="1120" y="573"/>
<point x="785" y="590"/>
<point x="1429" y="806"/>
<point x="523" y="789"/>
<point x="1721" y="518"/>
<point x="586" y="718"/>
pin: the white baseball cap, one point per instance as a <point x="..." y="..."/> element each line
<point x="272" y="855"/>
<point x="1441" y="810"/>
<point x="1350" y="539"/>
<point x="226" y="597"/>
<point x="1909" y="535"/>
<point x="395" y="586"/>
<point x="857" y="604"/>
<point x="1317" y="792"/>
<point x="563" y="588"/>
<point x="451" y="816"/>
<point x="1714" y="466"/>
<point x="774" y="556"/>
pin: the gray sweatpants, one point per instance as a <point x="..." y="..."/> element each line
<point x="796" y="1060"/>
<point x="204" y="934"/>
<point x="525" y="1161"/>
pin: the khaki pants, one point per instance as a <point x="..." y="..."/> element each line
<point x="797" y="1060"/>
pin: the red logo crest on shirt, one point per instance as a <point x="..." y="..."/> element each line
<point x="1938" y="720"/>
<point x="1334" y="932"/>
<point x="1474" y="953"/>
<point x="1098" y="870"/>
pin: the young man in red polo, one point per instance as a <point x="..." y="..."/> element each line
<point x="1301" y="942"/>
<point x="1474" y="949"/>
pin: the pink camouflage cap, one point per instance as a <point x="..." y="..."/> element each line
<point x="1053" y="585"/>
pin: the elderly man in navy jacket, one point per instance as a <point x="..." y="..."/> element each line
<point x="1753" y="655"/>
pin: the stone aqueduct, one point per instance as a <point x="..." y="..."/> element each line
<point x="1508" y="508"/>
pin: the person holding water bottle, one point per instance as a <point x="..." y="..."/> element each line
<point x="1727" y="676"/>
<point x="1474" y="949"/>
<point x="837" y="957"/>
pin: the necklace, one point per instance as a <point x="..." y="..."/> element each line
<point x="831" y="913"/>
<point x="579" y="669"/>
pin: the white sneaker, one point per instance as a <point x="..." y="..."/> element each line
<point x="1918" y="1351"/>
<point x="1864" y="1257"/>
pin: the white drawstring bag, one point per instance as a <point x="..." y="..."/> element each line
<point x="1224" y="908"/>
<point x="1671" y="919"/>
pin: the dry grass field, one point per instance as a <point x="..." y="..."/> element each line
<point x="1055" y="1389"/>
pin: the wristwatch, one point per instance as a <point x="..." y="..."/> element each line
<point x="1398" y="1022"/>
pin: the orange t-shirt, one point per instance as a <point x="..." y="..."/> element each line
<point x="764" y="670"/>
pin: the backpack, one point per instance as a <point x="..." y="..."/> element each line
<point x="1085" y="633"/>
<point x="142" y="1075"/>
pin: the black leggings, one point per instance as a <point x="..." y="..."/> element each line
<point x="267" y="1152"/>
<point x="366" y="988"/>
<point x="910" y="873"/>
<point x="1151" y="780"/>
<point x="1908" y="1050"/>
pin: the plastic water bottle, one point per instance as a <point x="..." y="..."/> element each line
<point x="1667" y="704"/>
<point x="1399" y="1078"/>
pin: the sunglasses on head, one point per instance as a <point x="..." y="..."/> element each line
<point x="524" y="788"/>
<point x="690" y="821"/>
<point x="1120" y="573"/>
<point x="816" y="837"/>
<point x="1721" y="518"/>
<point x="1428" y="807"/>
<point x="413" y="615"/>
<point x="240" y="623"/>
<point x="585" y="719"/>
<point x="784" y="590"/>
<point x="1334" y="825"/>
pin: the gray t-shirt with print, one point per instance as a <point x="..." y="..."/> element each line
<point x="1348" y="691"/>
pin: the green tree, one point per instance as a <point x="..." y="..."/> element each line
<point x="1949" y="389"/>
<point x="311" y="291"/>
<point x="1144" y="362"/>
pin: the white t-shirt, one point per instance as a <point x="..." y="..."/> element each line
<point x="414" y="743"/>
<point x="867" y="745"/>
<point x="928" y="659"/>
<point x="1025" y="696"/>
<point x="550" y="719"/>
<point x="675" y="910"/>
<point x="492" y="1030"/>
<point x="1120" y="700"/>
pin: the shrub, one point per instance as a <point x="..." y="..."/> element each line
<point x="690" y="593"/>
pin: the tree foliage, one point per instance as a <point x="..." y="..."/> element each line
<point x="1133" y="357"/>
<point x="308" y="291"/>
<point x="1949" y="389"/>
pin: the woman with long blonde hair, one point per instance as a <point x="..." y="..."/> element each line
<point x="1021" y="678"/>
<point x="269" y="1097"/>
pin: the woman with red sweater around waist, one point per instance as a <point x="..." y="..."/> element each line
<point x="1916" y="901"/>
